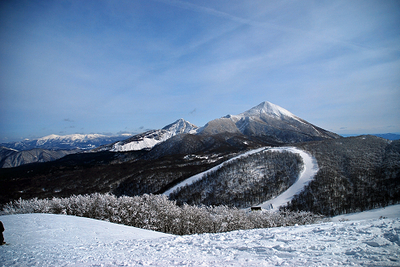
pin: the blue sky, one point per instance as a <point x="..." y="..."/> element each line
<point x="127" y="66"/>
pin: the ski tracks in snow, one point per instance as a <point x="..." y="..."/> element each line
<point x="310" y="168"/>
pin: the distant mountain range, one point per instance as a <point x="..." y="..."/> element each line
<point x="72" y="141"/>
<point x="50" y="148"/>
<point x="11" y="158"/>
<point x="266" y="123"/>
<point x="354" y="173"/>
<point x="389" y="136"/>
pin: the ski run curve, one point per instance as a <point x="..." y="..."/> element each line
<point x="310" y="168"/>
<point x="199" y="176"/>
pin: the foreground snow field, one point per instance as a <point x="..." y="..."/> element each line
<point x="60" y="240"/>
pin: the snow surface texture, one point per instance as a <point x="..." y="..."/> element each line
<point x="310" y="168"/>
<point x="60" y="240"/>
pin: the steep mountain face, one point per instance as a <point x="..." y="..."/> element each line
<point x="149" y="139"/>
<point x="72" y="141"/>
<point x="12" y="158"/>
<point x="269" y="121"/>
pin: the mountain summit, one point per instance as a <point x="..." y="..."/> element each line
<point x="268" y="109"/>
<point x="265" y="122"/>
<point x="270" y="121"/>
<point x="149" y="139"/>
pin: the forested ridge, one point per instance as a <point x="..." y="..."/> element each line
<point x="355" y="174"/>
<point x="245" y="181"/>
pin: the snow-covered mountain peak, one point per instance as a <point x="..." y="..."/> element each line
<point x="151" y="138"/>
<point x="268" y="108"/>
<point x="268" y="120"/>
<point x="70" y="137"/>
<point x="180" y="126"/>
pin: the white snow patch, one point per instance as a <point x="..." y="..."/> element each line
<point x="145" y="143"/>
<point x="386" y="212"/>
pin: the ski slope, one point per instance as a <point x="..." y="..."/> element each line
<point x="310" y="168"/>
<point x="199" y="176"/>
<point x="61" y="240"/>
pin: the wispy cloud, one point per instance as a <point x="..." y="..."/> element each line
<point x="138" y="63"/>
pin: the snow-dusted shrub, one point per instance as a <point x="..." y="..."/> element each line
<point x="33" y="205"/>
<point x="157" y="212"/>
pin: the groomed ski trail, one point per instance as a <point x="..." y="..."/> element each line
<point x="310" y="168"/>
<point x="199" y="176"/>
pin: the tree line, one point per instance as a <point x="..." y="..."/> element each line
<point x="158" y="213"/>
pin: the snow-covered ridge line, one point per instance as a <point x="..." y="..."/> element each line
<point x="199" y="176"/>
<point x="149" y="139"/>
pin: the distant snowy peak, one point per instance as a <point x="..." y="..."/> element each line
<point x="180" y="126"/>
<point x="61" y="142"/>
<point x="270" y="121"/>
<point x="68" y="138"/>
<point x="264" y="111"/>
<point x="267" y="108"/>
<point x="151" y="138"/>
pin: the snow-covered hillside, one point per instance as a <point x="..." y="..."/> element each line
<point x="60" y="240"/>
<point x="310" y="168"/>
<point x="199" y="176"/>
<point x="268" y="120"/>
<point x="149" y="139"/>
